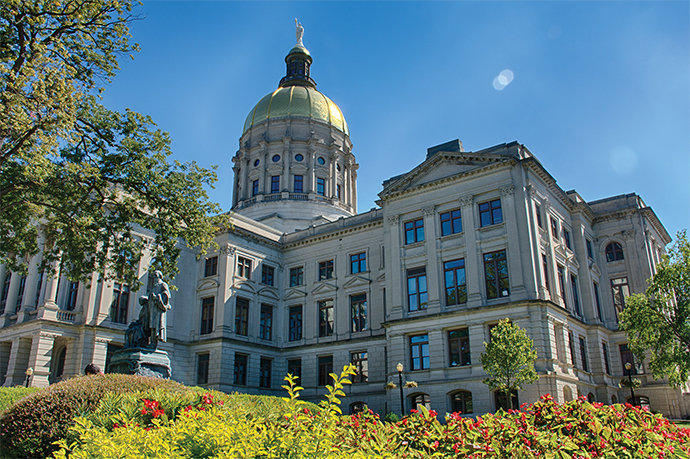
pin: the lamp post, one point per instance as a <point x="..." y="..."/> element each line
<point x="29" y="371"/>
<point x="628" y="366"/>
<point x="400" y="385"/>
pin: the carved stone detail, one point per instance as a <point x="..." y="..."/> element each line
<point x="466" y="201"/>
<point x="428" y="210"/>
<point x="628" y="234"/>
<point x="394" y="220"/>
<point x="508" y="190"/>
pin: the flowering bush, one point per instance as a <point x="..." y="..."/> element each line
<point x="209" y="428"/>
<point x="29" y="427"/>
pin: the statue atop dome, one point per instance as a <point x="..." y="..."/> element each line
<point x="299" y="32"/>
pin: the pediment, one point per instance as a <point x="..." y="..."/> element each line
<point x="294" y="294"/>
<point x="594" y="267"/>
<point x="207" y="284"/>
<point x="382" y="278"/>
<point x="299" y="168"/>
<point x="357" y="281"/>
<point x="243" y="284"/>
<point x="324" y="287"/>
<point x="269" y="293"/>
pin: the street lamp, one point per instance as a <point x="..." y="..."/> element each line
<point x="628" y="366"/>
<point x="400" y="385"/>
<point x="29" y="371"/>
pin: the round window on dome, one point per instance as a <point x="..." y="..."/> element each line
<point x="299" y="157"/>
<point x="321" y="161"/>
<point x="276" y="158"/>
<point x="256" y="163"/>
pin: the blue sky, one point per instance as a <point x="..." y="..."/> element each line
<point x="600" y="91"/>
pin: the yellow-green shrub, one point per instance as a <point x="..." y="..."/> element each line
<point x="9" y="395"/>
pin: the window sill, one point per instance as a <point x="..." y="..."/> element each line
<point x="414" y="244"/>
<point x="451" y="235"/>
<point x="491" y="227"/>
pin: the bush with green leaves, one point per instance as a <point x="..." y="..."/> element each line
<point x="10" y="395"/>
<point x="28" y="428"/>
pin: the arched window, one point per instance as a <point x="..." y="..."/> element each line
<point x="462" y="402"/>
<point x="567" y="394"/>
<point x="590" y="398"/>
<point x="614" y="400"/>
<point x="501" y="400"/>
<point x="60" y="368"/>
<point x="420" y="399"/>
<point x="614" y="252"/>
<point x="358" y="407"/>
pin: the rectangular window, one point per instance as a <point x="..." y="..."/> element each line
<point x="296" y="276"/>
<point x="419" y="352"/>
<point x="266" y="322"/>
<point x="241" y="316"/>
<point x="326" y="318"/>
<point x="240" y="374"/>
<point x="416" y="289"/>
<point x="267" y="273"/>
<point x="583" y="354"/>
<point x="358" y="308"/>
<point x="590" y="254"/>
<point x="321" y="186"/>
<point x="456" y="285"/>
<point x="325" y="369"/>
<point x="566" y="238"/>
<point x="361" y="363"/>
<point x="275" y="184"/>
<point x="255" y="187"/>
<point x="39" y="285"/>
<point x="295" y="324"/>
<point x="326" y="270"/>
<point x="207" y="305"/>
<point x="554" y="228"/>
<point x="561" y="285"/>
<point x="265" y="366"/>
<point x="244" y="267"/>
<point x="496" y="274"/>
<point x="211" y="266"/>
<point x="627" y="357"/>
<point x="545" y="267"/>
<point x="490" y="213"/>
<point x="120" y="305"/>
<point x="414" y="231"/>
<point x="597" y="301"/>
<point x="338" y="192"/>
<point x="358" y="263"/>
<point x="299" y="184"/>
<point x="537" y="211"/>
<point x="605" y="351"/>
<point x="294" y="368"/>
<point x="576" y="297"/>
<point x="451" y="222"/>
<point x="202" y="361"/>
<point x="459" y="345"/>
<point x="571" y="347"/>
<point x="620" y="290"/>
<point x="20" y="294"/>
<point x="72" y="296"/>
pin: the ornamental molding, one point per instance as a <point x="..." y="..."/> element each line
<point x="46" y="335"/>
<point x="466" y="201"/>
<point x="508" y="190"/>
<point x="227" y="250"/>
<point x="394" y="220"/>
<point x="628" y="234"/>
<point x="429" y="210"/>
<point x="102" y="340"/>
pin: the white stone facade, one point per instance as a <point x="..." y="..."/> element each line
<point x="374" y="287"/>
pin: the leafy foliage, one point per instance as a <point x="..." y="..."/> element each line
<point x="509" y="358"/>
<point x="659" y="321"/>
<point x="29" y="427"/>
<point x="10" y="395"/>
<point x="77" y="179"/>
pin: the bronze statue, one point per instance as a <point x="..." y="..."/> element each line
<point x="150" y="327"/>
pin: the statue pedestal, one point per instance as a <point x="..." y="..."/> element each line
<point x="141" y="361"/>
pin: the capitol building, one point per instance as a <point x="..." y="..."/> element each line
<point x="303" y="283"/>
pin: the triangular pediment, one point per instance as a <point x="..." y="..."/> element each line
<point x="324" y="287"/>
<point x="357" y="281"/>
<point x="207" y="284"/>
<point x="294" y="294"/>
<point x="381" y="279"/>
<point x="269" y="293"/>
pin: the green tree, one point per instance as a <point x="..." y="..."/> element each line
<point x="659" y="320"/>
<point x="77" y="179"/>
<point x="509" y="359"/>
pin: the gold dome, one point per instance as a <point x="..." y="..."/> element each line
<point x="296" y="101"/>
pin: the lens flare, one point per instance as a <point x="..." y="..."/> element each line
<point x="503" y="79"/>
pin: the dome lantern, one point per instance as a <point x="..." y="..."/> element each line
<point x="298" y="63"/>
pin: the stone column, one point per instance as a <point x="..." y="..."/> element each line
<point x="334" y="174"/>
<point x="286" y="164"/>
<point x="515" y="273"/>
<point x="50" y="296"/>
<point x="433" y="262"/>
<point x="100" y="352"/>
<point x="473" y="264"/>
<point x="32" y="286"/>
<point x="396" y="282"/>
<point x="11" y="302"/>
<point x="40" y="358"/>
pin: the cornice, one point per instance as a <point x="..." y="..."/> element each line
<point x="335" y="233"/>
